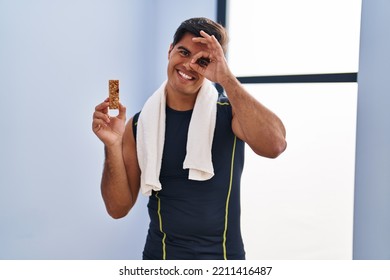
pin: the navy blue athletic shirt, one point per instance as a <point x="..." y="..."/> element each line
<point x="197" y="219"/>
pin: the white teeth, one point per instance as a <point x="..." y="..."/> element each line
<point x="185" y="76"/>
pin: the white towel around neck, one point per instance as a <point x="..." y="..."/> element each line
<point x="151" y="137"/>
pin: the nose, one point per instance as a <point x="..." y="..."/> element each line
<point x="187" y="65"/>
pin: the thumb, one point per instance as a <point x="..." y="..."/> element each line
<point x="122" y="112"/>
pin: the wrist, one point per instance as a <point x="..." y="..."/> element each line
<point x="113" y="147"/>
<point x="229" y="81"/>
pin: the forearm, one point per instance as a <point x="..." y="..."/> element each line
<point x="259" y="127"/>
<point x="115" y="186"/>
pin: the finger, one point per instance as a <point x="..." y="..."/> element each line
<point x="200" y="40"/>
<point x="197" y="68"/>
<point x="205" y="37"/>
<point x="210" y="41"/>
<point x="102" y="106"/>
<point x="208" y="37"/>
<point x="97" y="115"/>
<point x="200" y="55"/>
<point x="204" y="33"/>
<point x="122" y="112"/>
<point x="98" y="124"/>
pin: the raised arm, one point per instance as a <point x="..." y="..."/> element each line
<point x="252" y="122"/>
<point x="120" y="179"/>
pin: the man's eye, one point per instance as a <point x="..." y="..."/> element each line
<point x="184" y="53"/>
<point x="203" y="62"/>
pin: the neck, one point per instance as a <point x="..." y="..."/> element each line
<point x="180" y="102"/>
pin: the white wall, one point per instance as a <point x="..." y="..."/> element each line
<point x="372" y="199"/>
<point x="55" y="60"/>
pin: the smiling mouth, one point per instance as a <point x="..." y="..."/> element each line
<point x="185" y="76"/>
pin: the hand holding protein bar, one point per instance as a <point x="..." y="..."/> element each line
<point x="109" y="118"/>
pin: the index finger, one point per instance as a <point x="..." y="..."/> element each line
<point x="204" y="37"/>
<point x="200" y="55"/>
<point x="102" y="106"/>
<point x="210" y="41"/>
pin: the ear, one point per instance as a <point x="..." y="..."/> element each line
<point x="170" y="49"/>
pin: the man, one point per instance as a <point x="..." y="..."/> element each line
<point x="195" y="214"/>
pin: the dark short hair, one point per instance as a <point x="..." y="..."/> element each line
<point x="195" y="25"/>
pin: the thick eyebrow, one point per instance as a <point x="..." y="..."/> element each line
<point x="183" y="48"/>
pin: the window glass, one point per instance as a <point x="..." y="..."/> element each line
<point x="300" y="205"/>
<point x="282" y="37"/>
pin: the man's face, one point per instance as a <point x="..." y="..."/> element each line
<point x="181" y="78"/>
